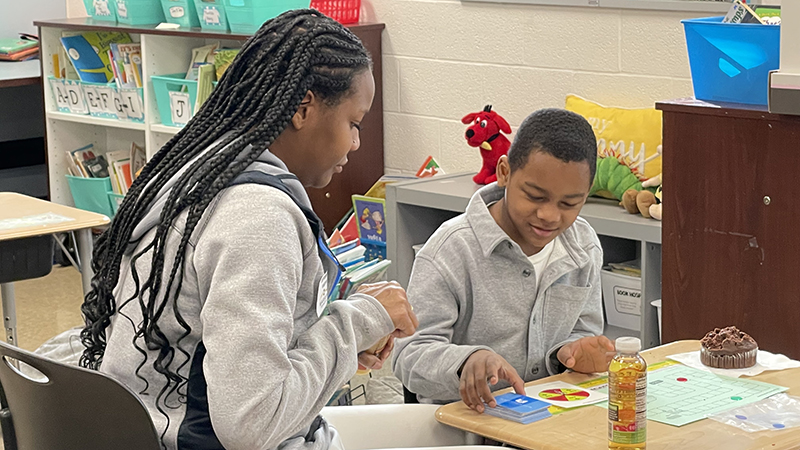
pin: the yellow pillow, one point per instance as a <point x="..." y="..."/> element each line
<point x="633" y="134"/>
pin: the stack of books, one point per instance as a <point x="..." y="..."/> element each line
<point x="18" y="49"/>
<point x="519" y="408"/>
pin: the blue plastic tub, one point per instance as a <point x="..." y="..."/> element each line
<point x="139" y="12"/>
<point x="180" y="12"/>
<point x="247" y="16"/>
<point x="105" y="10"/>
<point x="731" y="62"/>
<point x="211" y="15"/>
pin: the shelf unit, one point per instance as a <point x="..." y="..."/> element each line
<point x="165" y="52"/>
<point x="415" y="209"/>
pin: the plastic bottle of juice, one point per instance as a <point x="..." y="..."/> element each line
<point x="627" y="397"/>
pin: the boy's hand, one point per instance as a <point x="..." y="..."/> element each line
<point x="481" y="369"/>
<point x="587" y="355"/>
<point x="375" y="361"/>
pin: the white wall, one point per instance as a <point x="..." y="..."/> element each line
<point x="443" y="59"/>
<point x="18" y="16"/>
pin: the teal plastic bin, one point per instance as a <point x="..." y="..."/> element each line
<point x="247" y="16"/>
<point x="139" y="12"/>
<point x="163" y="85"/>
<point x="211" y="15"/>
<point x="731" y="62"/>
<point x="91" y="194"/>
<point x="115" y="201"/>
<point x="105" y="10"/>
<point x="180" y="12"/>
<point x="100" y="98"/>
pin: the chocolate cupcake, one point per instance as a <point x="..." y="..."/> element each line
<point x="728" y="348"/>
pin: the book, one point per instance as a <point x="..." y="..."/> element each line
<point x="72" y="166"/>
<point x="370" y="212"/>
<point x="123" y="169"/>
<point x="80" y="155"/>
<point x="740" y="12"/>
<point x="67" y="69"/>
<point x="769" y="14"/>
<point x="205" y="76"/>
<point x="223" y="59"/>
<point x="14" y="45"/>
<point x="518" y="408"/>
<point x="97" y="166"/>
<point x="114" y="172"/>
<point x="138" y="159"/>
<point x="200" y="56"/>
<point x="20" y="55"/>
<point x="88" y="53"/>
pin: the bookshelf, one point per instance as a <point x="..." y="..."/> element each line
<point x="169" y="51"/>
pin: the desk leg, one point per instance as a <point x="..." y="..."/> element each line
<point x="9" y="313"/>
<point x="85" y="249"/>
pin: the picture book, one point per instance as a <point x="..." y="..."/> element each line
<point x="88" y="53"/>
<point x="223" y="59"/>
<point x="370" y="213"/>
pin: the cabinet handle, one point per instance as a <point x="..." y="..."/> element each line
<point x="328" y="195"/>
<point x="767" y="200"/>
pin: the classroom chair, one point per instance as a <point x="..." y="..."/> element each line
<point x="396" y="426"/>
<point x="65" y="406"/>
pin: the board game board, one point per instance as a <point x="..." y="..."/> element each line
<point x="678" y="395"/>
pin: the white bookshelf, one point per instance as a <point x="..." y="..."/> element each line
<point x="163" y="52"/>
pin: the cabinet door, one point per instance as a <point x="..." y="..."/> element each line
<point x="729" y="258"/>
<point x="365" y="166"/>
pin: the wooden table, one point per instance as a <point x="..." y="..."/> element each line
<point x="16" y="206"/>
<point x="586" y="428"/>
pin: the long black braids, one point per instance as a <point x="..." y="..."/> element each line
<point x="251" y="106"/>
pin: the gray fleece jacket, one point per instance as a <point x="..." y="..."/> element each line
<point x="473" y="288"/>
<point x="261" y="362"/>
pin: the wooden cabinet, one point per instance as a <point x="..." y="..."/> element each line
<point x="731" y="230"/>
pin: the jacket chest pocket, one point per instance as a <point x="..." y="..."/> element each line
<point x="563" y="305"/>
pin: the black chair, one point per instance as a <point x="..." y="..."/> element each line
<point x="72" y="408"/>
<point x="409" y="397"/>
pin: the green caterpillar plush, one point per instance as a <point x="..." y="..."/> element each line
<point x="613" y="178"/>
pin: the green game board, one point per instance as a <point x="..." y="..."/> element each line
<point x="678" y="395"/>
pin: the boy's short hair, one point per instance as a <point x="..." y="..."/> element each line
<point x="563" y="134"/>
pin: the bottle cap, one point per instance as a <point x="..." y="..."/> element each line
<point x="628" y="344"/>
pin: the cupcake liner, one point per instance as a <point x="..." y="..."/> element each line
<point x="719" y="360"/>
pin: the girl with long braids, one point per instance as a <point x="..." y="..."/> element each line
<point x="210" y="286"/>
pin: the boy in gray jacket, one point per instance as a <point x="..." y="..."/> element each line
<point x="509" y="291"/>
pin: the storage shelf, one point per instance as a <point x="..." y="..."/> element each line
<point x="92" y="120"/>
<point x="453" y="193"/>
<point x="161" y="128"/>
<point x="89" y="24"/>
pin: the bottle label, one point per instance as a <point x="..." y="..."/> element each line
<point x="627" y="409"/>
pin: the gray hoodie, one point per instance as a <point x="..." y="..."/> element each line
<point x="473" y="288"/>
<point x="261" y="362"/>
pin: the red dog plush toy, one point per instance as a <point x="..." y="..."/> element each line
<point x="485" y="133"/>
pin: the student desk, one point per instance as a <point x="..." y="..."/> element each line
<point x="20" y="73"/>
<point x="16" y="206"/>
<point x="586" y="428"/>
